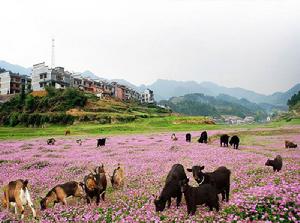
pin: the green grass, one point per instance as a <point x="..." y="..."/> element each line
<point x="147" y="125"/>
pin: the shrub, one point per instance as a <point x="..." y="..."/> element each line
<point x="13" y="119"/>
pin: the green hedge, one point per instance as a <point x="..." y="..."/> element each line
<point x="35" y="119"/>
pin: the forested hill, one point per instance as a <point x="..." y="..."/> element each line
<point x="200" y="104"/>
<point x="64" y="106"/>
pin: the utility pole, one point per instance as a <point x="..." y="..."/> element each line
<point x="52" y="55"/>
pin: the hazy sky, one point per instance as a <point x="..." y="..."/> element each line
<point x="254" y="44"/>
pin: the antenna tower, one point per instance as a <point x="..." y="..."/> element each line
<point x="52" y="55"/>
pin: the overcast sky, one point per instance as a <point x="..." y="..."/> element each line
<point x="254" y="44"/>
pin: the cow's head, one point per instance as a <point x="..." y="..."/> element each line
<point x="197" y="173"/>
<point x="268" y="163"/>
<point x="43" y="203"/>
<point x="160" y="204"/>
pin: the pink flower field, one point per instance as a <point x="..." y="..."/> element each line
<point x="257" y="193"/>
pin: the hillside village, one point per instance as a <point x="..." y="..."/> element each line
<point x="58" y="77"/>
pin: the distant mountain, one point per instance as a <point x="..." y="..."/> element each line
<point x="280" y="98"/>
<point x="14" y="68"/>
<point x="200" y="104"/>
<point x="124" y="82"/>
<point x="165" y="89"/>
<point x="89" y="74"/>
<point x="243" y="102"/>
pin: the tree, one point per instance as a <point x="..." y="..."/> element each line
<point x="23" y="95"/>
<point x="294" y="100"/>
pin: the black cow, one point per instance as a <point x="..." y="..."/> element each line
<point x="220" y="178"/>
<point x="203" y="137"/>
<point x="51" y="141"/>
<point x="276" y="163"/>
<point x="234" y="141"/>
<point x="101" y="142"/>
<point x="203" y="194"/>
<point x="224" y="140"/>
<point x="171" y="188"/>
<point x="188" y="137"/>
<point x="289" y="144"/>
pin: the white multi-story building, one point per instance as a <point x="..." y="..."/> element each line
<point x="43" y="76"/>
<point x="147" y="96"/>
<point x="11" y="83"/>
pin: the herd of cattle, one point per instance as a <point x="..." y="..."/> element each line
<point x="94" y="185"/>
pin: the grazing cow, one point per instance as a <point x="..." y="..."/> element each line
<point x="101" y="142"/>
<point x="95" y="185"/>
<point x="276" y="163"/>
<point x="234" y="141"/>
<point x="203" y="137"/>
<point x="67" y="132"/>
<point x="220" y="177"/>
<point x="289" y="144"/>
<point x="59" y="193"/>
<point x="173" y="137"/>
<point x="203" y="194"/>
<point x="188" y="137"/>
<point x="16" y="194"/>
<point x="117" y="179"/>
<point x="79" y="141"/>
<point x="224" y="140"/>
<point x="51" y="141"/>
<point x="171" y="188"/>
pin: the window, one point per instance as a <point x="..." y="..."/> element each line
<point x="43" y="76"/>
<point x="41" y="84"/>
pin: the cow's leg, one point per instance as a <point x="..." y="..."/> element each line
<point x="6" y="200"/>
<point x="64" y="201"/>
<point x="88" y="199"/>
<point x="188" y="209"/>
<point x="30" y="204"/>
<point x="103" y="196"/>
<point x="217" y="206"/>
<point x="178" y="200"/>
<point x="14" y="205"/>
<point x="193" y="209"/>
<point x="223" y="195"/>
<point x="98" y="199"/>
<point x="169" y="202"/>
<point x="227" y="189"/>
<point x="20" y="207"/>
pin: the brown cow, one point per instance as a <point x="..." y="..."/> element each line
<point x="173" y="137"/>
<point x="289" y="144"/>
<point x="117" y="179"/>
<point x="16" y="194"/>
<point x="95" y="185"/>
<point x="60" y="192"/>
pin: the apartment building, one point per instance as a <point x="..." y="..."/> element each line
<point x="43" y="76"/>
<point x="11" y="83"/>
<point x="147" y="96"/>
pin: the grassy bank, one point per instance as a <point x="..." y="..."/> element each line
<point x="147" y="125"/>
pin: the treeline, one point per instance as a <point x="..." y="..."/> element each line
<point x="30" y="110"/>
<point x="203" y="105"/>
<point x="294" y="101"/>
